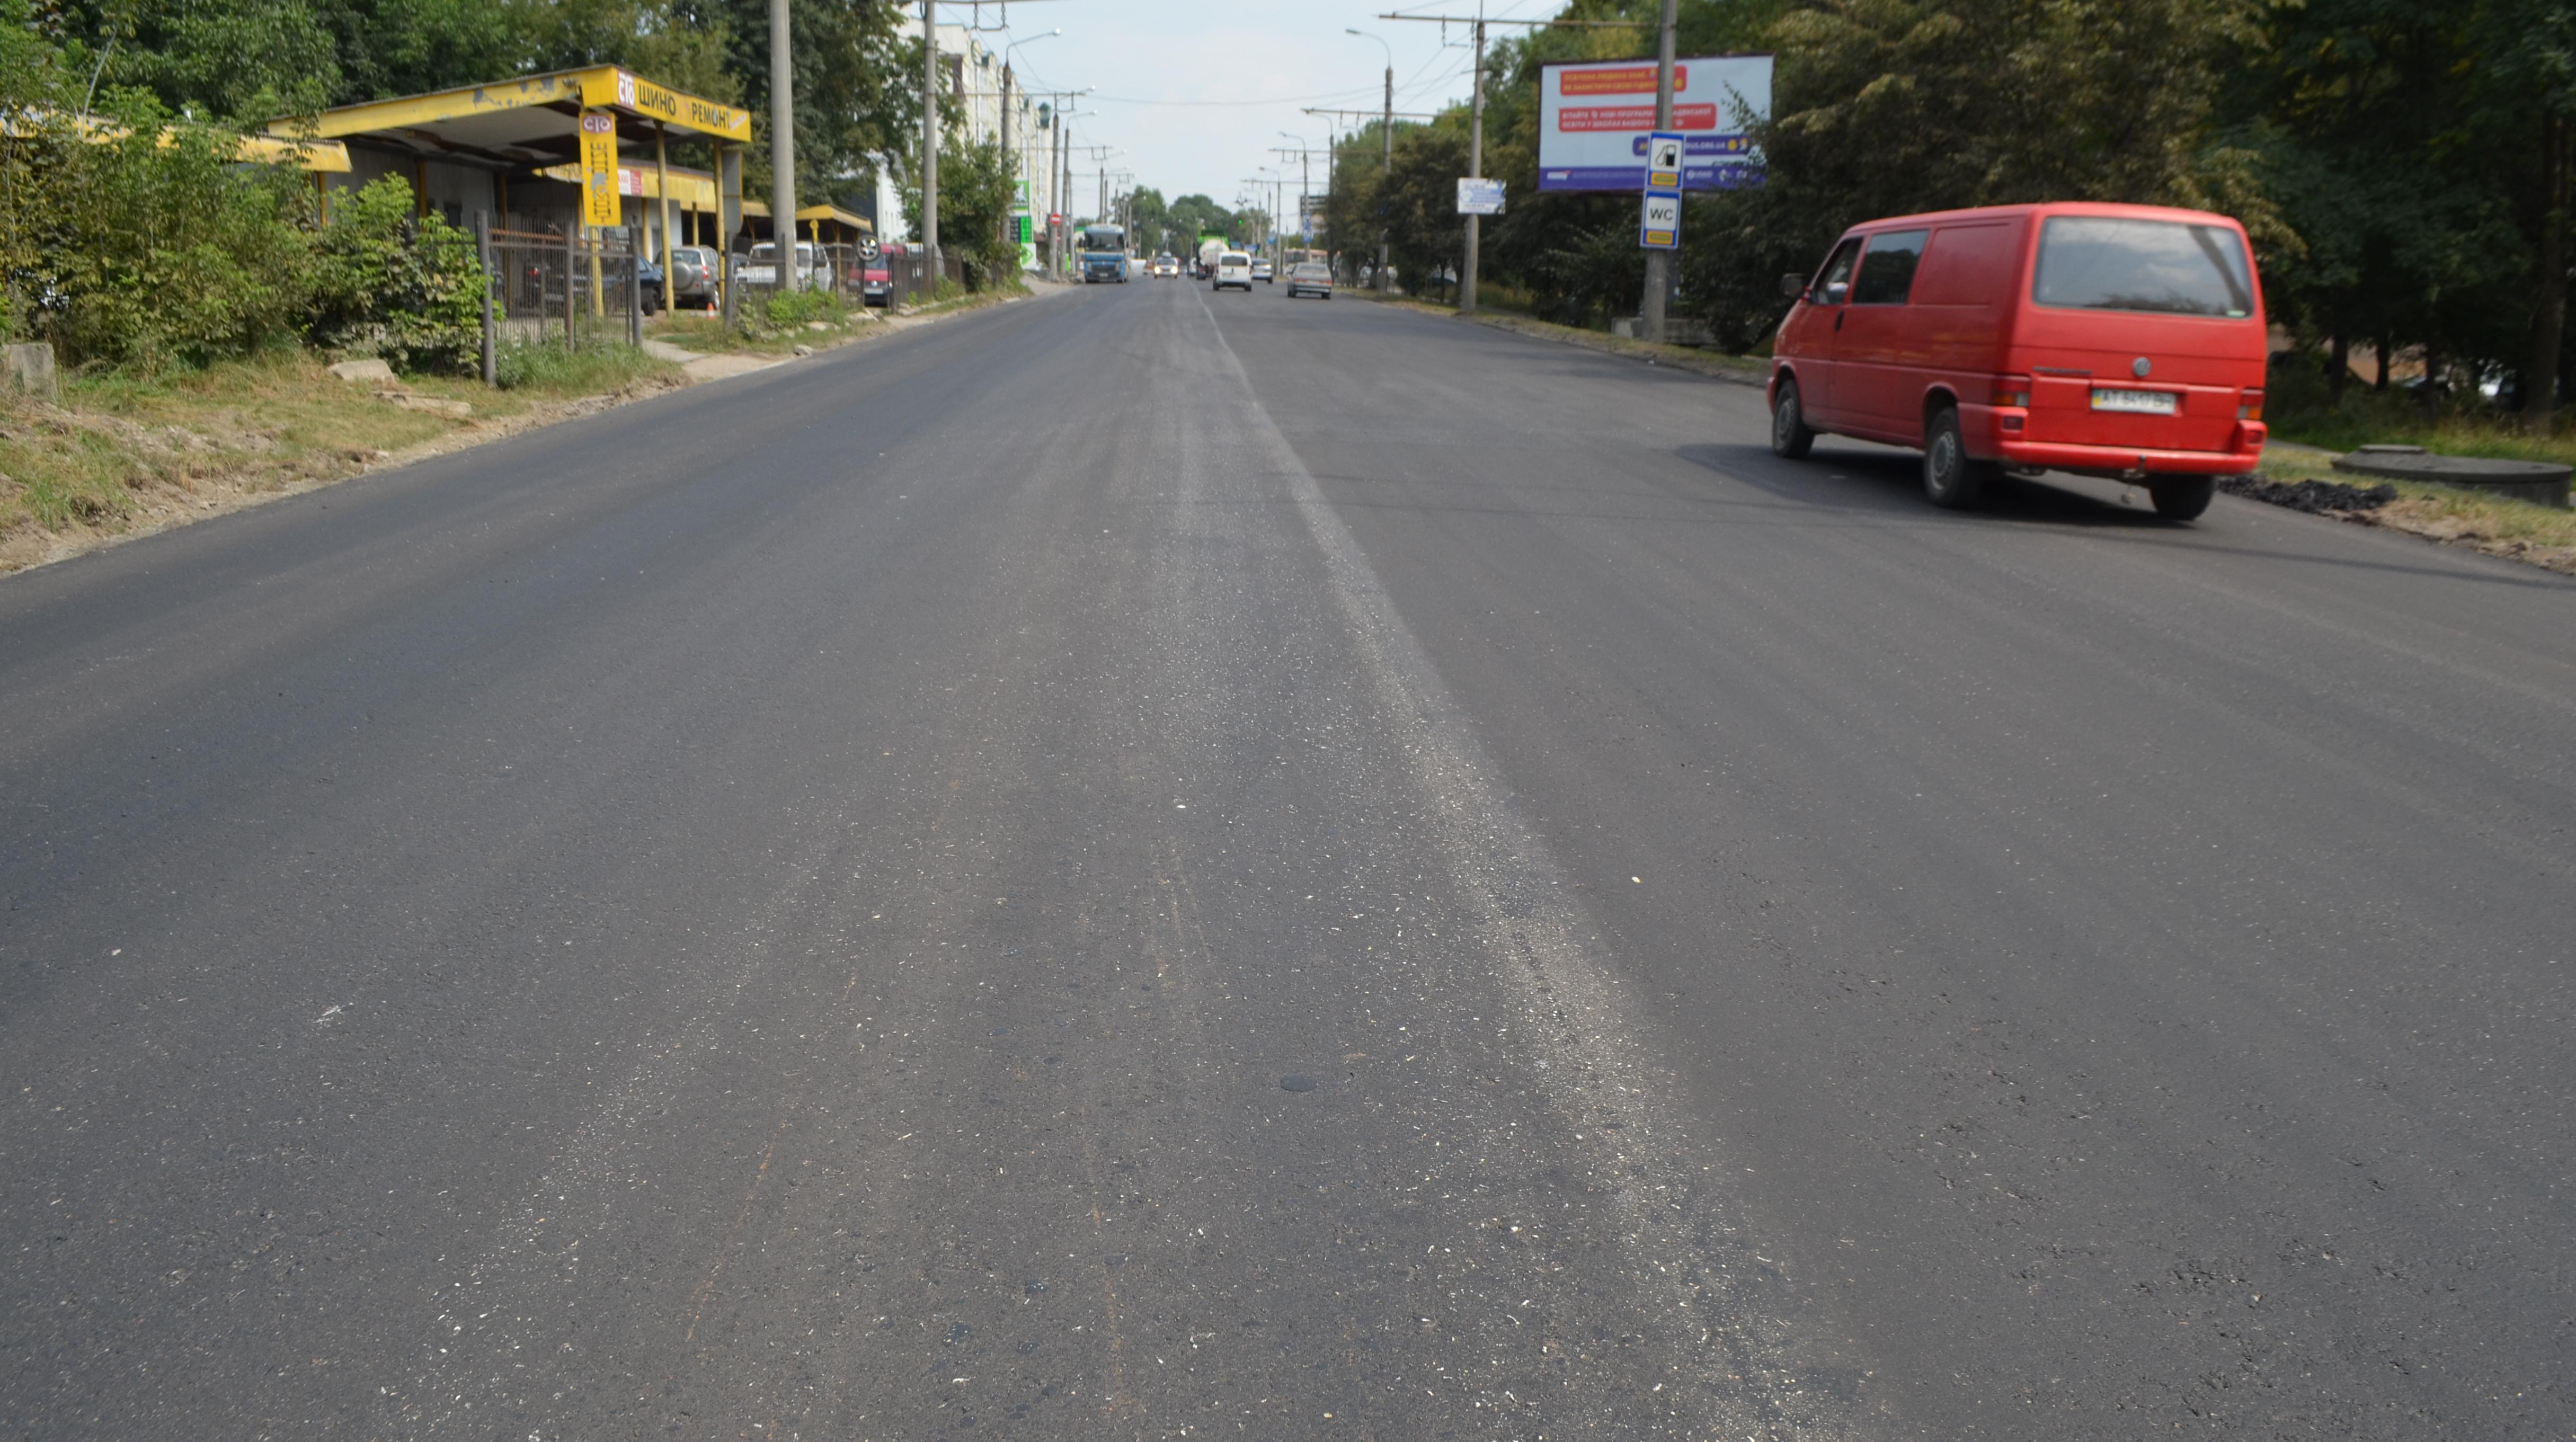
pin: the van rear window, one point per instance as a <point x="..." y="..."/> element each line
<point x="2089" y="262"/>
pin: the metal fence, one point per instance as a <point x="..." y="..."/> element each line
<point x="582" y="286"/>
<point x="839" y="270"/>
<point x="586" y="287"/>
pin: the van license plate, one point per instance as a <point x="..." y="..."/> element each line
<point x="2150" y="403"/>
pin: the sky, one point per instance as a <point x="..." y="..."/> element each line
<point x="1195" y="97"/>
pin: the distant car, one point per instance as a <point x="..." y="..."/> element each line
<point x="1261" y="271"/>
<point x="1165" y="265"/>
<point x="874" y="275"/>
<point x="1233" y="268"/>
<point x="1310" y="278"/>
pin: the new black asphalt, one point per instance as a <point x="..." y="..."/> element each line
<point x="1153" y="864"/>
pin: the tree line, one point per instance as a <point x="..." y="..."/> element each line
<point x="2404" y="166"/>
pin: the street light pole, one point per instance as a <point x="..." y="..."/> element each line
<point x="1650" y="316"/>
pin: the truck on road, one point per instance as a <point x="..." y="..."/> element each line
<point x="1104" y="254"/>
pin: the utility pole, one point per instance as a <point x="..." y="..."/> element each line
<point x="1475" y="171"/>
<point x="929" y="134"/>
<point x="1476" y="135"/>
<point x="1650" y="316"/>
<point x="1386" y="151"/>
<point x="782" y="148"/>
<point x="1385" y="171"/>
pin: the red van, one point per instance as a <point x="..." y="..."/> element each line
<point x="2108" y="340"/>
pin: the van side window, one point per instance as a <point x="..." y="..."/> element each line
<point x="1887" y="271"/>
<point x="1833" y="283"/>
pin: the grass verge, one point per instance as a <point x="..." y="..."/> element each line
<point x="2496" y="525"/>
<point x="125" y="455"/>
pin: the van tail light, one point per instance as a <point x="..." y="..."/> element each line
<point x="2249" y="404"/>
<point x="2012" y="391"/>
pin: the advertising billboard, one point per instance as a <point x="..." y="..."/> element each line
<point x="1595" y="115"/>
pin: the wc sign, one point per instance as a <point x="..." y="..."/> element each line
<point x="1662" y="226"/>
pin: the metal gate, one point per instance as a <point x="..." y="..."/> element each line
<point x="583" y="285"/>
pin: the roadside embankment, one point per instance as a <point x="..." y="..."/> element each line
<point x="2496" y="525"/>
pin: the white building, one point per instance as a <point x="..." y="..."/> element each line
<point x="993" y="106"/>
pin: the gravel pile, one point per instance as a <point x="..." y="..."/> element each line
<point x="2317" y="498"/>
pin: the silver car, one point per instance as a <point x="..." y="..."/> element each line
<point x="1310" y="278"/>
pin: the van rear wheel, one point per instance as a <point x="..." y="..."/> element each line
<point x="1951" y="477"/>
<point x="2182" y="498"/>
<point x="1790" y="437"/>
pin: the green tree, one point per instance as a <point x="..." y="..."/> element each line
<point x="242" y="60"/>
<point x="1151" y="221"/>
<point x="857" y="85"/>
<point x="2527" y="55"/>
<point x="1192" y="216"/>
<point x="974" y="211"/>
<point x="385" y="48"/>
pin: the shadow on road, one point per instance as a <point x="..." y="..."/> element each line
<point x="1890" y="482"/>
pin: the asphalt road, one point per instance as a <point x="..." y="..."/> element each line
<point x="1148" y="864"/>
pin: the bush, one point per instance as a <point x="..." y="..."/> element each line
<point x="139" y="241"/>
<point x="150" y="246"/>
<point x="551" y="367"/>
<point x="404" y="289"/>
<point x="785" y="309"/>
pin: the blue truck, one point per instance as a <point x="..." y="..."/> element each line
<point x="1104" y="254"/>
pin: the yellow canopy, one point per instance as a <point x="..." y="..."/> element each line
<point x="312" y="155"/>
<point x="531" y="121"/>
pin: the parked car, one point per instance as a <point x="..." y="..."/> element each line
<point x="1261" y="270"/>
<point x="2122" y="341"/>
<point x="693" y="277"/>
<point x="1233" y="268"/>
<point x="1310" y="278"/>
<point x="648" y="285"/>
<point x="761" y="266"/>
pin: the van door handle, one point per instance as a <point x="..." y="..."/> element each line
<point x="1838" y="320"/>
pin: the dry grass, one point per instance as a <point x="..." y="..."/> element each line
<point x="124" y="456"/>
<point x="2496" y="525"/>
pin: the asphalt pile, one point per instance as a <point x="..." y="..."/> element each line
<point x="2317" y="498"/>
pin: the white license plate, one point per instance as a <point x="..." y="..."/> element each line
<point x="2145" y="403"/>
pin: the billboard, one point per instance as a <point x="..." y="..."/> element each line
<point x="1595" y="115"/>
<point x="1480" y="197"/>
